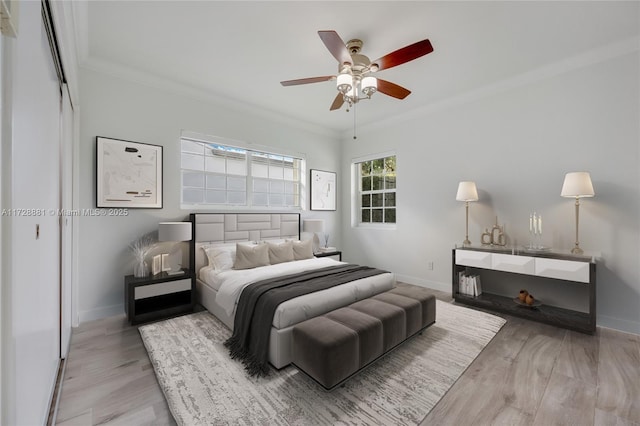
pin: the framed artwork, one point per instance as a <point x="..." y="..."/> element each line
<point x="128" y="174"/>
<point x="323" y="190"/>
<point x="156" y="267"/>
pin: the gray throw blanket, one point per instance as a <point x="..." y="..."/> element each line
<point x="258" y="303"/>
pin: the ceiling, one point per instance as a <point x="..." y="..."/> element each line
<point x="240" y="51"/>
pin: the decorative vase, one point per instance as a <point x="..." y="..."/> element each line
<point x="140" y="269"/>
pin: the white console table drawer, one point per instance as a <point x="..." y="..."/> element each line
<point x="476" y="259"/>
<point x="509" y="263"/>
<point x="159" y="289"/>
<point x="562" y="269"/>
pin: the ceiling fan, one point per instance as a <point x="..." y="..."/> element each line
<point x="355" y="69"/>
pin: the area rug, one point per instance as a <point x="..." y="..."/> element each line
<point x="203" y="386"/>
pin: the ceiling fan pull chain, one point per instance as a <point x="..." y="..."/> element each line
<point x="354" y="121"/>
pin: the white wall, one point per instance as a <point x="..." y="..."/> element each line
<point x="122" y="109"/>
<point x="517" y="144"/>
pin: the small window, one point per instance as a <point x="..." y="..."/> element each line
<point x="377" y="190"/>
<point x="215" y="174"/>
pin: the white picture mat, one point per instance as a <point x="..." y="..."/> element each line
<point x="323" y="190"/>
<point x="128" y="174"/>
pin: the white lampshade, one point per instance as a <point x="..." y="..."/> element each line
<point x="369" y="85"/>
<point x="467" y="192"/>
<point x="577" y="185"/>
<point x="344" y="82"/>
<point x="174" y="231"/>
<point x="313" y="225"/>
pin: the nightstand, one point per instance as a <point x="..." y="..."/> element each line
<point x="333" y="253"/>
<point x="158" y="296"/>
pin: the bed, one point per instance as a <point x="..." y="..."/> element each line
<point x="219" y="291"/>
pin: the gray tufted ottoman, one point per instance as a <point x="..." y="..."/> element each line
<point x="332" y="347"/>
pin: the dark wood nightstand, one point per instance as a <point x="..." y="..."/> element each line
<point x="158" y="296"/>
<point x="332" y="253"/>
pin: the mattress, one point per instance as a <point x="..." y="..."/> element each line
<point x="228" y="286"/>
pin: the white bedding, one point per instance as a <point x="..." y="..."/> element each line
<point x="229" y="284"/>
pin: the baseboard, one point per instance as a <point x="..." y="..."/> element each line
<point x="627" y="326"/>
<point x="435" y="285"/>
<point x="99" y="313"/>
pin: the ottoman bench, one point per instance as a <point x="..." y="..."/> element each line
<point x="333" y="347"/>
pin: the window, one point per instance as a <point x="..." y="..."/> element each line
<point x="377" y="190"/>
<point x="217" y="174"/>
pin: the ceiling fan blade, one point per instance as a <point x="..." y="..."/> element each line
<point x="307" y="80"/>
<point x="392" y="89"/>
<point x="336" y="46"/>
<point x="337" y="102"/>
<point x="406" y="54"/>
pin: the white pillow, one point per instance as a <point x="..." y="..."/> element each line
<point x="221" y="258"/>
<point x="280" y="253"/>
<point x="302" y="249"/>
<point x="248" y="257"/>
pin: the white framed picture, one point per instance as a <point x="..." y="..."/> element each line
<point x="128" y="174"/>
<point x="156" y="267"/>
<point x="165" y="265"/>
<point x="323" y="190"/>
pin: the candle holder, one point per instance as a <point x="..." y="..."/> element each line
<point x="535" y="231"/>
<point x="532" y="230"/>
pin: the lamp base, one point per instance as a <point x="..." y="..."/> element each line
<point x="466" y="243"/>
<point x="577" y="250"/>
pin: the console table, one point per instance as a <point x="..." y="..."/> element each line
<point x="570" y="276"/>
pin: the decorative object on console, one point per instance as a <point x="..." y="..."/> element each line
<point x="535" y="232"/>
<point x="140" y="249"/>
<point x="578" y="185"/>
<point x="314" y="226"/>
<point x="530" y="302"/>
<point x="128" y="174"/>
<point x="496" y="237"/>
<point x="522" y="296"/>
<point x="323" y="190"/>
<point x="156" y="267"/>
<point x="526" y="299"/>
<point x="174" y="231"/>
<point x="467" y="192"/>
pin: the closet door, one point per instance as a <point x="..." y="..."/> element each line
<point x="35" y="228"/>
<point x="66" y="220"/>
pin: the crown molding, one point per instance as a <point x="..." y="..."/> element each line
<point x="591" y="57"/>
<point x="154" y="81"/>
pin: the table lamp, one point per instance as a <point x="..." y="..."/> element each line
<point x="577" y="185"/>
<point x="174" y="231"/>
<point x="314" y="226"/>
<point x="467" y="192"/>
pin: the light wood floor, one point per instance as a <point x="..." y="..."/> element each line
<point x="530" y="374"/>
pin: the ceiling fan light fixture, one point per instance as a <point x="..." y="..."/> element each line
<point x="352" y="95"/>
<point x="344" y="83"/>
<point x="369" y="86"/>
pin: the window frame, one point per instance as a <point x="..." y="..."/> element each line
<point x="249" y="149"/>
<point x="357" y="192"/>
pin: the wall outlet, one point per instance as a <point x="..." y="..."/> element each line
<point x="430" y="265"/>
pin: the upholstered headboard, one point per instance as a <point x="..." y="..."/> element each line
<point x="211" y="228"/>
